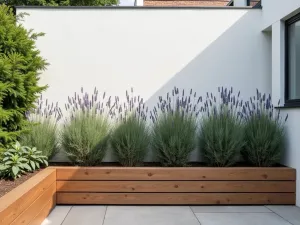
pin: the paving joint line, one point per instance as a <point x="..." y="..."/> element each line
<point x="280" y="216"/>
<point x="104" y="215"/>
<point x="66" y="215"/>
<point x="194" y="215"/>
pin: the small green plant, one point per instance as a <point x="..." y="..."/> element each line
<point x="174" y="129"/>
<point x="85" y="138"/>
<point x="19" y="160"/>
<point x="264" y="132"/>
<point x="34" y="157"/>
<point x="221" y="133"/>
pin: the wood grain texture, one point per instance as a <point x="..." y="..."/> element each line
<point x="19" y="199"/>
<point x="176" y="186"/>
<point x="44" y="212"/>
<point x="187" y="173"/>
<point x="33" y="210"/>
<point x="177" y="198"/>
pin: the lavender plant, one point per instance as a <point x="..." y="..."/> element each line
<point x="85" y="134"/>
<point x="42" y="129"/>
<point x="264" y="131"/>
<point x="221" y="133"/>
<point x="130" y="138"/>
<point x="174" y="129"/>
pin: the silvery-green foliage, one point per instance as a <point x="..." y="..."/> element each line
<point x="221" y="136"/>
<point x="42" y="129"/>
<point x="175" y="127"/>
<point x="264" y="131"/>
<point x="130" y="138"/>
<point x="85" y="134"/>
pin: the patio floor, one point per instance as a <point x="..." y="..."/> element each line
<point x="174" y="215"/>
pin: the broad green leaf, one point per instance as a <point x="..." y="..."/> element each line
<point x="46" y="162"/>
<point x="27" y="167"/>
<point x="32" y="165"/>
<point x="15" y="170"/>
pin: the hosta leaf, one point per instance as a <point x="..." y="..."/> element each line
<point x="27" y="167"/>
<point x="6" y="158"/>
<point x="37" y="165"/>
<point x="32" y="165"/>
<point x="15" y="170"/>
<point x="46" y="162"/>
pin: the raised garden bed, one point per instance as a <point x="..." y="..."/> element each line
<point x="171" y="186"/>
<point x="31" y="202"/>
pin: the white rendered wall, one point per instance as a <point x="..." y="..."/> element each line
<point x="275" y="10"/>
<point x="151" y="50"/>
<point x="275" y="13"/>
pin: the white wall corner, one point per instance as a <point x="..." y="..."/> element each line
<point x="278" y="62"/>
<point x="240" y="3"/>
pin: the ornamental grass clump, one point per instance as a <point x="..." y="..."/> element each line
<point x="221" y="133"/>
<point x="42" y="132"/>
<point x="130" y="138"/>
<point x="175" y="127"/>
<point x="264" y="132"/>
<point x="85" y="134"/>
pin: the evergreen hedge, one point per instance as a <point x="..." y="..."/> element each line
<point x="20" y="64"/>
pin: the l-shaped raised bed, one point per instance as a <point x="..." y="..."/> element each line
<point x="31" y="202"/>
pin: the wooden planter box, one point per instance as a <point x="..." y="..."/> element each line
<point x="31" y="202"/>
<point x="176" y="186"/>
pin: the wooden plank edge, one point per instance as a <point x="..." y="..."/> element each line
<point x="19" y="199"/>
<point x="44" y="213"/>
<point x="23" y="188"/>
<point x="163" y="173"/>
<point x="177" y="186"/>
<point x="177" y="198"/>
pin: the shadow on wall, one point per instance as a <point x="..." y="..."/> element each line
<point x="239" y="58"/>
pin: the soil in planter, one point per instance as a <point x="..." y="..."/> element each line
<point x="7" y="185"/>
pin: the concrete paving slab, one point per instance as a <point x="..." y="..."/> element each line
<point x="240" y="219"/>
<point x="290" y="213"/>
<point x="230" y="209"/>
<point x="85" y="215"/>
<point x="57" y="215"/>
<point x="150" y="215"/>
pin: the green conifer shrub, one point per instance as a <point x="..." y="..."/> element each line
<point x="20" y="65"/>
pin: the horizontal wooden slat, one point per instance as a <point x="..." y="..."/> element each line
<point x="19" y="199"/>
<point x="176" y="198"/>
<point x="44" y="212"/>
<point x="176" y="186"/>
<point x="33" y="210"/>
<point x="190" y="173"/>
